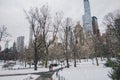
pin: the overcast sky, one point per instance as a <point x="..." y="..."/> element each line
<point x="13" y="17"/>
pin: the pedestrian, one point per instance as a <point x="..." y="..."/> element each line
<point x="50" y="67"/>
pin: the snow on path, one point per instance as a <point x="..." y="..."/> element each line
<point x="84" y="71"/>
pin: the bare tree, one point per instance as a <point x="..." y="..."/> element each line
<point x="41" y="23"/>
<point x="112" y="21"/>
<point x="49" y="29"/>
<point x="91" y="43"/>
<point x="31" y="16"/>
<point x="75" y="45"/>
<point x="65" y="38"/>
<point x="3" y="32"/>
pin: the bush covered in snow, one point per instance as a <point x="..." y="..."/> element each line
<point x="115" y="75"/>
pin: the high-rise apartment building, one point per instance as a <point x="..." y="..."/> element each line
<point x="7" y="44"/>
<point x="95" y="27"/>
<point x="20" y="43"/>
<point x="30" y="36"/>
<point x="78" y="31"/>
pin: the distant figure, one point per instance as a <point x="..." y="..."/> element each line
<point x="50" y="67"/>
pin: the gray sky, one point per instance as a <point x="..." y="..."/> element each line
<point x="13" y="17"/>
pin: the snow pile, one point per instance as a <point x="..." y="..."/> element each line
<point x="17" y="67"/>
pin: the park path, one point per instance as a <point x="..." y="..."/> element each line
<point x="44" y="74"/>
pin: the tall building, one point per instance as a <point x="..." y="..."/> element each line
<point x="14" y="46"/>
<point x="88" y="47"/>
<point x="96" y="30"/>
<point x="78" y="40"/>
<point x="7" y="44"/>
<point x="30" y="36"/>
<point x="20" y="43"/>
<point x="87" y="20"/>
<point x="78" y="31"/>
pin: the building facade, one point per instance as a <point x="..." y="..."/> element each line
<point x="20" y="43"/>
<point x="87" y="20"/>
<point x="30" y="36"/>
<point x="78" y="31"/>
<point x="7" y="44"/>
<point x="95" y="27"/>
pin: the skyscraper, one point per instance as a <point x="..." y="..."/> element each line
<point x="96" y="30"/>
<point x="30" y="36"/>
<point x="7" y="44"/>
<point x="87" y="29"/>
<point x="87" y="20"/>
<point x="20" y="43"/>
<point x="78" y="31"/>
<point x="14" y="46"/>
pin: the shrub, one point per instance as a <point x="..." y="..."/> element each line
<point x="115" y="75"/>
<point x="110" y="63"/>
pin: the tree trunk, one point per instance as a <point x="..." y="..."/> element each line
<point x="74" y="59"/>
<point x="67" y="62"/>
<point x="35" y="57"/>
<point x="46" y="62"/>
<point x="75" y="63"/>
<point x="25" y="63"/>
<point x="97" y="61"/>
<point x="96" y="55"/>
<point x="46" y="59"/>
<point x="30" y="65"/>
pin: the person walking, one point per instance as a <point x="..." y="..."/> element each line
<point x="50" y="67"/>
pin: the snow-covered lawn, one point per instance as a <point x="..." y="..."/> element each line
<point x="21" y="77"/>
<point x="84" y="71"/>
<point x="5" y="72"/>
<point x="20" y="69"/>
<point x="17" y="69"/>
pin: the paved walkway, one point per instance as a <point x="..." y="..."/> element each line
<point x="48" y="75"/>
<point x="44" y="74"/>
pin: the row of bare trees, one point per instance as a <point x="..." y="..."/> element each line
<point x="44" y="29"/>
<point x="112" y="21"/>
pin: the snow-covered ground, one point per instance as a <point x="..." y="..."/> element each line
<point x="22" y="71"/>
<point x="19" y="69"/>
<point x="84" y="71"/>
<point x="21" y="77"/>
